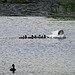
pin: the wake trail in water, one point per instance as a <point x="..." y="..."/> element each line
<point x="9" y="38"/>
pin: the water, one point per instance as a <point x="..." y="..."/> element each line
<point x="36" y="56"/>
<point x="30" y="9"/>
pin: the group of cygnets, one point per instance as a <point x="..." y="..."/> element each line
<point x="33" y="37"/>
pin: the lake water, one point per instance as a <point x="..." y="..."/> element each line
<point x="30" y="9"/>
<point x="36" y="56"/>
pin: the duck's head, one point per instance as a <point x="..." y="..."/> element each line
<point x="13" y="65"/>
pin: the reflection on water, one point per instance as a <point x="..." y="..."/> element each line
<point x="30" y="9"/>
<point x="36" y="56"/>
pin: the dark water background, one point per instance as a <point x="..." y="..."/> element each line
<point x="29" y="9"/>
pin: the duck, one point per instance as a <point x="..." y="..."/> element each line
<point x="13" y="68"/>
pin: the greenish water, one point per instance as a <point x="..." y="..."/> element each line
<point x="34" y="9"/>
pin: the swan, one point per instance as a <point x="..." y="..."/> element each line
<point x="57" y="34"/>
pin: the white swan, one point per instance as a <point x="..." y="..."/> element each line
<point x="57" y="34"/>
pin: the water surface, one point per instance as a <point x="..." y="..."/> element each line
<point x="36" y="56"/>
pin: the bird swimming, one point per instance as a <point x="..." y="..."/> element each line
<point x="13" y="68"/>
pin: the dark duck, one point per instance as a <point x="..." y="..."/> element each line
<point x="13" y="68"/>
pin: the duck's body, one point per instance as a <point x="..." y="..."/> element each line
<point x="13" y="68"/>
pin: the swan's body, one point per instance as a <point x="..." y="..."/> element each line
<point x="57" y="34"/>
